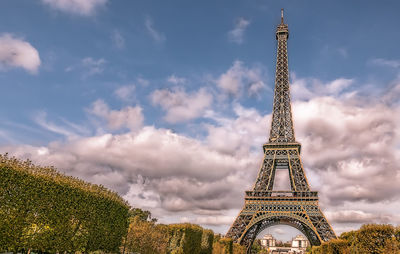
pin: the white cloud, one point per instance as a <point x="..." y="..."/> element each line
<point x="237" y="77"/>
<point x="79" y="7"/>
<point x="352" y="141"/>
<point x="156" y="35"/>
<point x="357" y="216"/>
<point x="238" y="135"/>
<point x="126" y="93"/>
<point x="214" y="220"/>
<point x="385" y="62"/>
<point x="118" y="40"/>
<point x="304" y="89"/>
<point x="237" y="33"/>
<point x="15" y="52"/>
<point x="181" y="106"/>
<point x="128" y="117"/>
<point x="173" y="79"/>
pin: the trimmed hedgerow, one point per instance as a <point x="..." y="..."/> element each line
<point x="184" y="238"/>
<point x="44" y="210"/>
<point x="207" y="241"/>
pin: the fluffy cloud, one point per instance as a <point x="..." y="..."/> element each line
<point x="153" y="168"/>
<point x="128" y="117"/>
<point x="239" y="135"/>
<point x="304" y="89"/>
<point x="356" y="143"/>
<point x="15" y="52"/>
<point x="239" y="77"/>
<point x="237" y="33"/>
<point x="80" y="7"/>
<point x="181" y="106"/>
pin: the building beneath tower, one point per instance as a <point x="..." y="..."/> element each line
<point x="298" y="245"/>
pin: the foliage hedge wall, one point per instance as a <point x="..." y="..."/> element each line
<point x="43" y="210"/>
<point x="184" y="238"/>
<point x="146" y="237"/>
<point x="370" y="238"/>
<point x="226" y="246"/>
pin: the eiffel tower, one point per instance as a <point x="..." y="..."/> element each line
<point x="264" y="207"/>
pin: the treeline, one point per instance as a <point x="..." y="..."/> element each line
<point x="145" y="236"/>
<point x="370" y="238"/>
<point x="42" y="210"/>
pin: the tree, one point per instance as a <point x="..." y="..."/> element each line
<point x="373" y="238"/>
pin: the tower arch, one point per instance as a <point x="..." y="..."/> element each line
<point x="265" y="220"/>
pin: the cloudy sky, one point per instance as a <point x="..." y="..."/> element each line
<point x="169" y="102"/>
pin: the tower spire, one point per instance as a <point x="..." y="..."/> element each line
<point x="282" y="124"/>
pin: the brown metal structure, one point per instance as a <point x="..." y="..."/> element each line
<point x="263" y="206"/>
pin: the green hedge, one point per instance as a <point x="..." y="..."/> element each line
<point x="207" y="239"/>
<point x="184" y="238"/>
<point x="43" y="210"/>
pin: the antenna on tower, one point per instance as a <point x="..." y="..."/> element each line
<point x="282" y="16"/>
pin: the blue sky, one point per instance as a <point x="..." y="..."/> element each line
<point x="89" y="78"/>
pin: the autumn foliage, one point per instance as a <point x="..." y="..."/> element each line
<point x="370" y="238"/>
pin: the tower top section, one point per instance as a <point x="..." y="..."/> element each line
<point x="282" y="123"/>
<point x="282" y="29"/>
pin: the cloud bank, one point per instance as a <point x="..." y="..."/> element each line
<point x="350" y="151"/>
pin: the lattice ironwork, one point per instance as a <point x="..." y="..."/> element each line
<point x="263" y="206"/>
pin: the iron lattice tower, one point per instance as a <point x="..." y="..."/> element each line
<point x="263" y="206"/>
